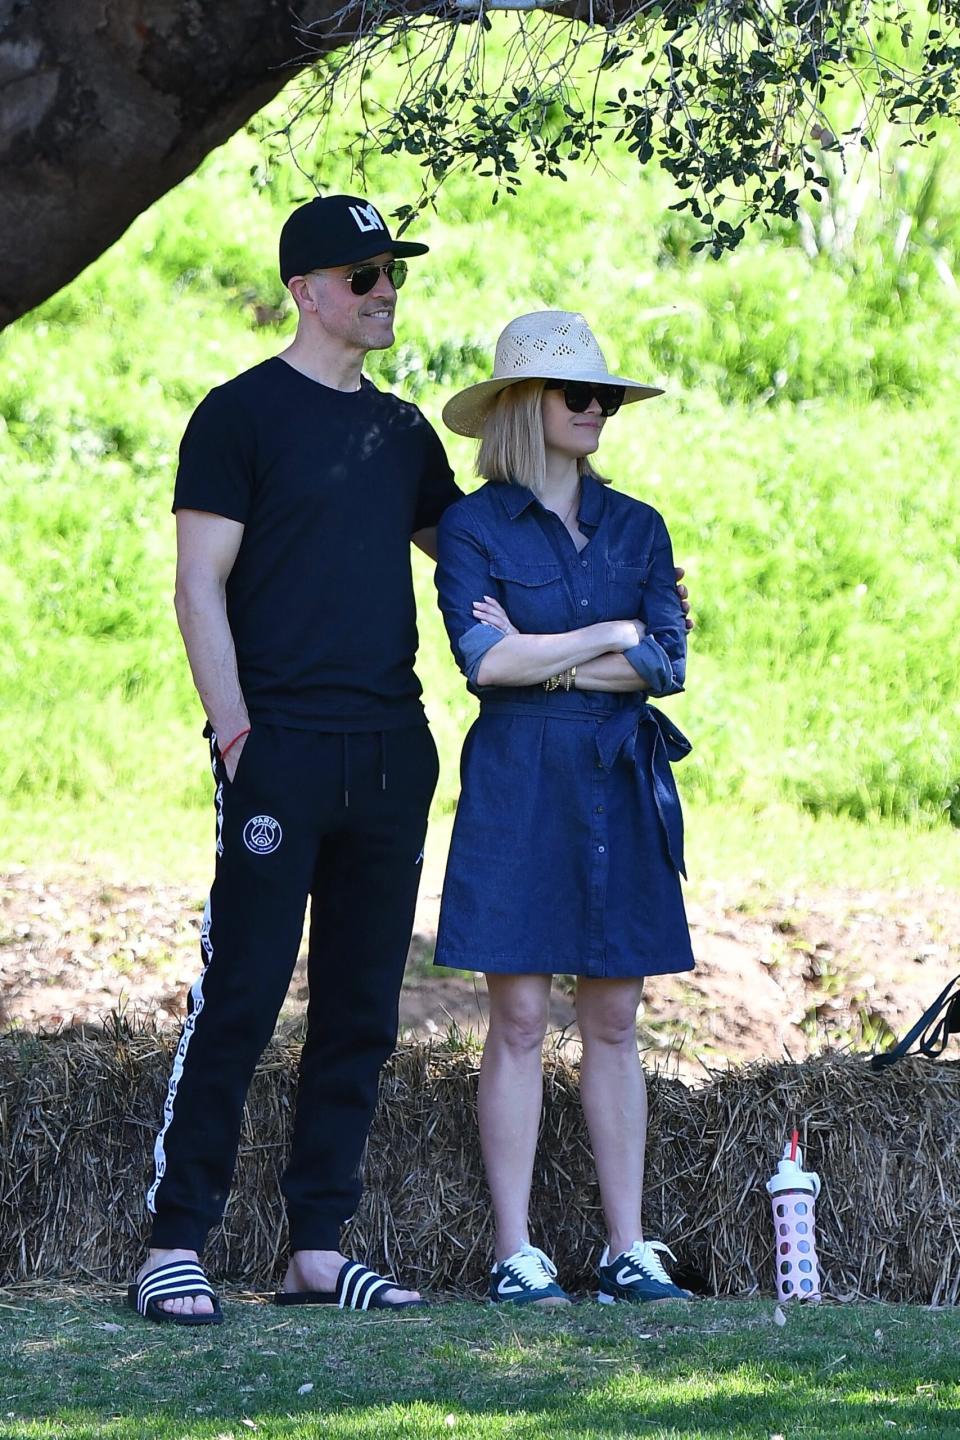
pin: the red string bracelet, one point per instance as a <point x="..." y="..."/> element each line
<point x="239" y="736"/>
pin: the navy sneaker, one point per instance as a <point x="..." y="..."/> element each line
<point x="637" y="1275"/>
<point x="526" y="1278"/>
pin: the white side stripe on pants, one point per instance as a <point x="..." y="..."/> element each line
<point x="196" y="1007"/>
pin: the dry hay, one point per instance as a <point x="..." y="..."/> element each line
<point x="79" y="1111"/>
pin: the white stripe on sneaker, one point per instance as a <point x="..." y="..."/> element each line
<point x="505" y="1287"/>
<point x="525" y="1272"/>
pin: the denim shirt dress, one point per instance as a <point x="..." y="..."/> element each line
<point x="567" y="845"/>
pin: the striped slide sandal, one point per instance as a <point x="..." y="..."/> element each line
<point x="357" y="1289"/>
<point x="178" y="1280"/>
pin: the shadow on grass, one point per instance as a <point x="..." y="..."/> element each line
<point x="469" y="1371"/>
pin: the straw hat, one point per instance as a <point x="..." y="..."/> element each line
<point x="547" y="345"/>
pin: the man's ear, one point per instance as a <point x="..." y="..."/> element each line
<point x="300" y="290"/>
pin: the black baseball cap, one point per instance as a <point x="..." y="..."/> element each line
<point x="336" y="230"/>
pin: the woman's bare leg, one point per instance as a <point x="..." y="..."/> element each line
<point x="509" y="1099"/>
<point x="614" y="1098"/>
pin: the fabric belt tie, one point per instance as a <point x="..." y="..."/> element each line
<point x="616" y="738"/>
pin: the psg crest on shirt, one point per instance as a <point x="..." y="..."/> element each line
<point x="262" y="834"/>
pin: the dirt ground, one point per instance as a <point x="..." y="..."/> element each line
<point x="775" y="975"/>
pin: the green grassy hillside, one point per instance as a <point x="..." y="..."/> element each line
<point x="804" y="457"/>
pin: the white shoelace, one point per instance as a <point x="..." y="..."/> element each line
<point x="645" y="1254"/>
<point x="532" y="1266"/>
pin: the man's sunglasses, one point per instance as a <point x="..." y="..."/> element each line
<point x="578" y="394"/>
<point x="363" y="279"/>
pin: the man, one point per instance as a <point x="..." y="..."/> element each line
<point x="299" y="489"/>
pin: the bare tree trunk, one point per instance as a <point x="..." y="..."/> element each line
<point x="107" y="104"/>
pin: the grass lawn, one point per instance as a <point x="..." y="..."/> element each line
<point x="79" y="1367"/>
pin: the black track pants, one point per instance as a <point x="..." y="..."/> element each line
<point x="342" y="819"/>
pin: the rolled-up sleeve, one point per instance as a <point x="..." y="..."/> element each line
<point x="462" y="578"/>
<point x="661" y="656"/>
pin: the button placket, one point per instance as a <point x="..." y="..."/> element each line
<point x="596" y="959"/>
<point x="585" y="586"/>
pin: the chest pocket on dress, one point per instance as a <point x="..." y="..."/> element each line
<point x="532" y="594"/>
<point x="625" y="586"/>
<point x="625" y="589"/>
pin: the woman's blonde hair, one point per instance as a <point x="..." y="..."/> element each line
<point x="512" y="445"/>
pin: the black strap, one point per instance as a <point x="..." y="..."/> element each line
<point x="933" y="1029"/>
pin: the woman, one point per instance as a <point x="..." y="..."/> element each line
<point x="559" y="598"/>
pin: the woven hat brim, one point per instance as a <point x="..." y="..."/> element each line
<point x="465" y="412"/>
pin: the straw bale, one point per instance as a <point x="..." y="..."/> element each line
<point x="79" y="1113"/>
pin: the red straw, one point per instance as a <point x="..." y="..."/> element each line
<point x="793" y="1144"/>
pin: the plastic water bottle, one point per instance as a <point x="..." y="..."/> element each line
<point x="793" y="1192"/>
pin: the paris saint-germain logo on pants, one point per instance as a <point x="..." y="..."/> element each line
<point x="262" y="834"/>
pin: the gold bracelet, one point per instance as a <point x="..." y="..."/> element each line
<point x="570" y="675"/>
<point x="553" y="682"/>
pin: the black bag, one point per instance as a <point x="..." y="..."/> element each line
<point x="933" y="1029"/>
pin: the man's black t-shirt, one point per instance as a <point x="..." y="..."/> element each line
<point x="329" y="485"/>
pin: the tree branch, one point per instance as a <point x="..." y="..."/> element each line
<point x="97" y="121"/>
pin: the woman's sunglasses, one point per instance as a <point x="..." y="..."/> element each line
<point x="363" y="279"/>
<point x="577" y="395"/>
